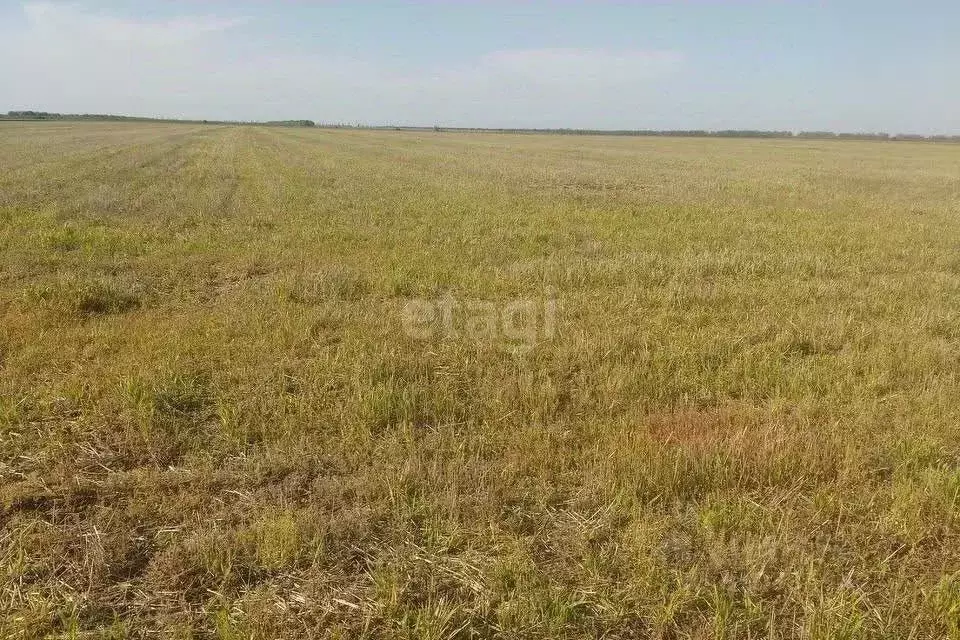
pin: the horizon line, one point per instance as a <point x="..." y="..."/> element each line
<point x="37" y="115"/>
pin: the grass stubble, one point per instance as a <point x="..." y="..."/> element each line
<point x="745" y="424"/>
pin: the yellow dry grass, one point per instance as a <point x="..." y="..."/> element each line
<point x="213" y="422"/>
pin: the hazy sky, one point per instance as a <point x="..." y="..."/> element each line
<point x="842" y="65"/>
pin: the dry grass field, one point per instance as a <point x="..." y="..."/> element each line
<point x="299" y="383"/>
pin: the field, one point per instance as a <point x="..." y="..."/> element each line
<point x="302" y="383"/>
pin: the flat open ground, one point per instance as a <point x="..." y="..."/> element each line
<point x="218" y="417"/>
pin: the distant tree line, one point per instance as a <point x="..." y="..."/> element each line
<point x="289" y="123"/>
<point x="106" y="117"/>
<point x="690" y="133"/>
<point x="47" y="115"/>
<point x="686" y="133"/>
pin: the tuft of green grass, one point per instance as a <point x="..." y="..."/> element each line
<point x="67" y="238"/>
<point x="79" y="298"/>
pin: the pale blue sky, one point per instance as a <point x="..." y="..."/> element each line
<point x="844" y="65"/>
